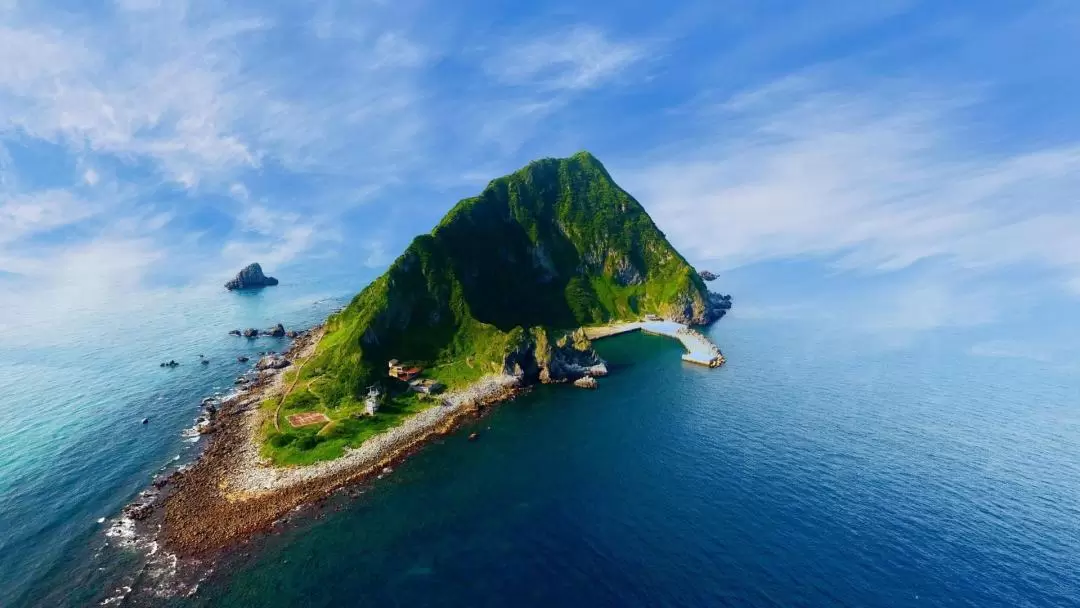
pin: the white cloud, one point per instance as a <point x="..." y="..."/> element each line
<point x="138" y="5"/>
<point x="273" y="237"/>
<point x="395" y="50"/>
<point x="575" y="59"/>
<point x="65" y="285"/>
<point x="924" y="304"/>
<point x="91" y="177"/>
<point x="194" y="93"/>
<point x="104" y="92"/>
<point x="869" y="182"/>
<point x="377" y="257"/>
<point x="25" y="215"/>
<point x="239" y="191"/>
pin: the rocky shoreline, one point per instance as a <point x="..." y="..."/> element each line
<point x="229" y="493"/>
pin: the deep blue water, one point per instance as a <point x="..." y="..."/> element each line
<point x="812" y="470"/>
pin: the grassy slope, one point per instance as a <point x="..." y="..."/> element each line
<point x="555" y="245"/>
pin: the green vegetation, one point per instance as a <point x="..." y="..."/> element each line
<point x="553" y="246"/>
<point x="348" y="427"/>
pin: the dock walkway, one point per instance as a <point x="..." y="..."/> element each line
<point x="699" y="349"/>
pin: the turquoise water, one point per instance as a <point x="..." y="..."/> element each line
<point x="74" y="449"/>
<point x="812" y="470"/>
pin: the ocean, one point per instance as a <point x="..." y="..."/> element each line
<point x="814" y="469"/>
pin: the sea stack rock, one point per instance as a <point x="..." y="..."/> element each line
<point x="707" y="276"/>
<point x="251" y="277"/>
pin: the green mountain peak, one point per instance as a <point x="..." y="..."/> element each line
<point x="552" y="247"/>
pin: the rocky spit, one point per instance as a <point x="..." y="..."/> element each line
<point x="231" y="492"/>
<point x="252" y="476"/>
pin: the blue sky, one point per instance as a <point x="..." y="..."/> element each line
<point x="901" y="168"/>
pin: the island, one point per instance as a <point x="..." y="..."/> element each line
<point x="508" y="290"/>
<point x="251" y="277"/>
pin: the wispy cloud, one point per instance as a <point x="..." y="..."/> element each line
<point x="872" y="181"/>
<point x="193" y="92"/>
<point x="535" y="77"/>
<point x="579" y="58"/>
<point x="24" y="215"/>
<point x="216" y="133"/>
<point x="170" y="111"/>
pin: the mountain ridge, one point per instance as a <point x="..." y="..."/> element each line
<point x="502" y="285"/>
<point x="556" y="245"/>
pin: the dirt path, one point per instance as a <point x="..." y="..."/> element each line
<point x="287" y="391"/>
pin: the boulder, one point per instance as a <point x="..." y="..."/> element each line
<point x="277" y="331"/>
<point x="251" y="332"/>
<point x="138" y="511"/>
<point x="251" y="277"/>
<point x="718" y="305"/>
<point x="598" y="370"/>
<point x="242" y="359"/>
<point x="234" y="332"/>
<point x="272" y="362"/>
<point x="585" y="382"/>
<point x="707" y="276"/>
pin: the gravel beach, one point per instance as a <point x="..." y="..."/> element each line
<point x="230" y="492"/>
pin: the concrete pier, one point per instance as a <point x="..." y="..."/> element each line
<point x="699" y="349"/>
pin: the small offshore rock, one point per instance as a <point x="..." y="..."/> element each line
<point x="146" y="421"/>
<point x="277" y="331"/>
<point x="234" y="332"/>
<point x="707" y="275"/>
<point x="251" y="277"/>
<point x="585" y="382"/>
<point x="242" y="359"/>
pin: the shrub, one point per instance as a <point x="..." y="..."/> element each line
<point x="301" y="400"/>
<point x="280" y="440"/>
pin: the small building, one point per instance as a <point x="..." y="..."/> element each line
<point x="371" y="401"/>
<point x="426" y="386"/>
<point x="399" y="371"/>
